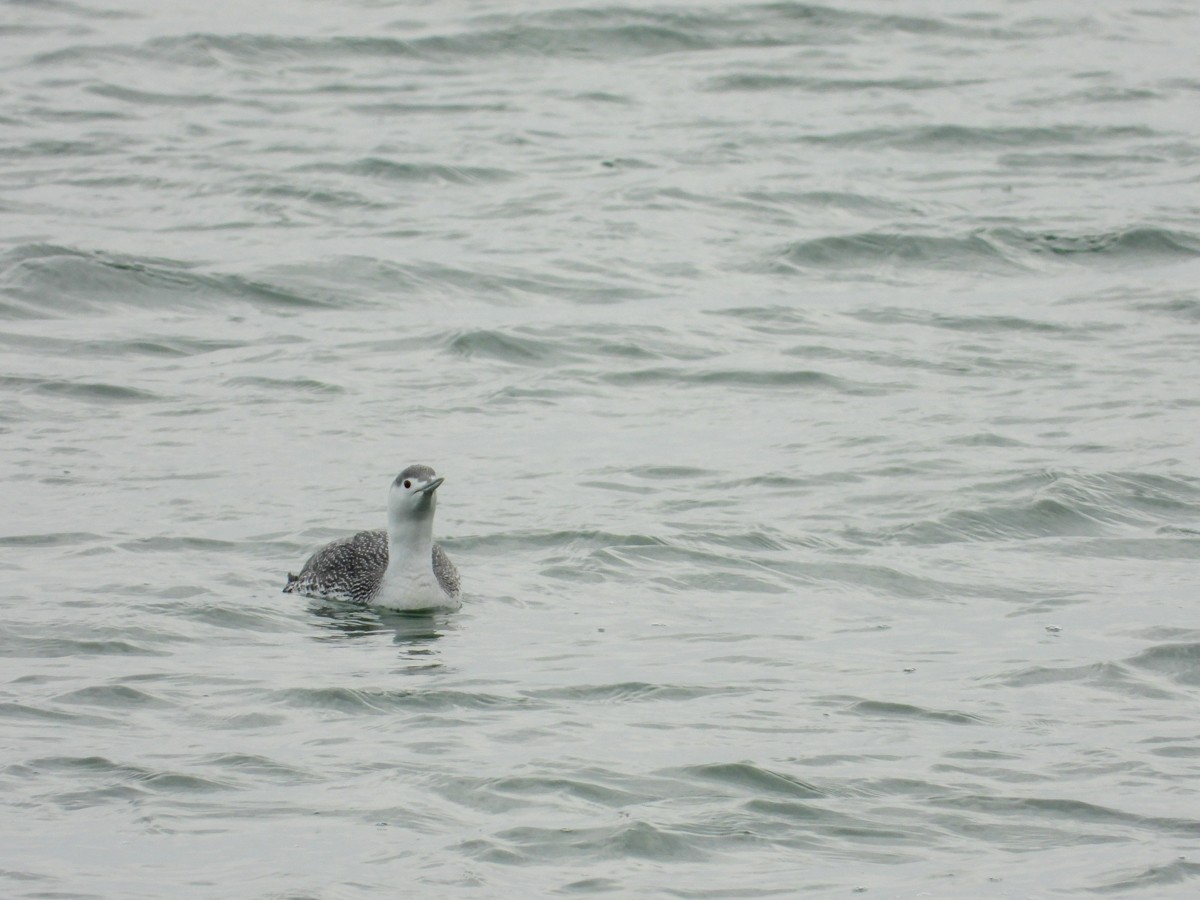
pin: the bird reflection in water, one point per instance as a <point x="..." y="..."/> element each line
<point x="415" y="633"/>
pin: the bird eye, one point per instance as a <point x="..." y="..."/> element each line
<point x="407" y="483"/>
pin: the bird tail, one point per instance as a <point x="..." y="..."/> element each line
<point x="290" y="587"/>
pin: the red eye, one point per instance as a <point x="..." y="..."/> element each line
<point x="407" y="484"/>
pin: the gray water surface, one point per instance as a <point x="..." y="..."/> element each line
<point x="816" y="391"/>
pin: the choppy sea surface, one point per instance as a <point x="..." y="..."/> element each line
<point x="816" y="388"/>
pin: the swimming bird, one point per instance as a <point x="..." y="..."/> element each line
<point x="398" y="568"/>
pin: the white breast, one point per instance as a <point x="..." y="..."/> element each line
<point x="412" y="588"/>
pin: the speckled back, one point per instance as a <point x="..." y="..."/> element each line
<point x="352" y="568"/>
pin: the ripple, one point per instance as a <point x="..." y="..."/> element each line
<point x="572" y="33"/>
<point x="167" y="347"/>
<point x="256" y="767"/>
<point x="118" y="696"/>
<point x="83" y="391"/>
<point x="120" y="781"/>
<point x="44" y="280"/>
<point x="515" y="791"/>
<point x="1179" y="662"/>
<point x="632" y="839"/>
<point x="155" y="98"/>
<point x="374" y="167"/>
<point x="952" y="138"/>
<point x="1149" y="880"/>
<point x="786" y="379"/>
<point x="1179" y="306"/>
<point x="58" y="539"/>
<point x="999" y="250"/>
<point x="749" y="778"/>
<point x="980" y="323"/>
<point x="351" y="700"/>
<point x="1060" y="504"/>
<point x="1065" y="809"/>
<point x="58" y="647"/>
<point x="29" y="713"/>
<point x="910" y="711"/>
<point x="763" y="81"/>
<point x="308" y="386"/>
<point x="628" y="692"/>
<point x="1107" y="676"/>
<point x="861" y="251"/>
<point x="164" y="544"/>
<point x="512" y="348"/>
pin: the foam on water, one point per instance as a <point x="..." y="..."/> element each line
<point x="817" y="391"/>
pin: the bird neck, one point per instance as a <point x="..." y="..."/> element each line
<point x="410" y="542"/>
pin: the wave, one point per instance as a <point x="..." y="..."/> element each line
<point x="508" y="541"/>
<point x="356" y="281"/>
<point x="998" y="250"/>
<point x="1179" y="662"/>
<point x="743" y="777"/>
<point x="631" y="692"/>
<point x="1176" y="305"/>
<point x="374" y="167"/>
<point x="779" y="379"/>
<point x="50" y="281"/>
<point x="285" y="385"/>
<point x="979" y="324"/>
<point x="630" y="839"/>
<point x="56" y="647"/>
<point x="868" y="251"/>
<point x="88" y="392"/>
<point x="1112" y="677"/>
<point x="765" y="81"/>
<point x="352" y="700"/>
<point x="508" y="347"/>
<point x="608" y="32"/>
<point x="1149" y="880"/>
<point x="173" y="347"/>
<point x="120" y="696"/>
<point x="120" y="782"/>
<point x="880" y="709"/>
<point x="1060" y="809"/>
<point x="1057" y="504"/>
<point x="56" y="539"/>
<point x="155" y="98"/>
<point x="953" y="138"/>
<point x="541" y="347"/>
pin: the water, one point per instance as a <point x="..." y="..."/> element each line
<point x="816" y="392"/>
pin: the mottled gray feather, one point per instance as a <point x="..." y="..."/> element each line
<point x="352" y="569"/>
<point x="447" y="575"/>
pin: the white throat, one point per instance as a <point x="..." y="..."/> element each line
<point x="410" y="541"/>
<point x="409" y="581"/>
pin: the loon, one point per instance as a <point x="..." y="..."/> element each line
<point x="400" y="568"/>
